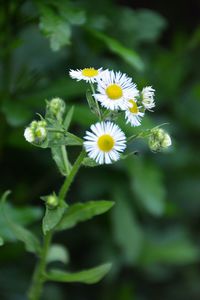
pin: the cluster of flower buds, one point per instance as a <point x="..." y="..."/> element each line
<point x="159" y="139"/>
<point x="36" y="132"/>
<point x="55" y="108"/>
<point x="110" y="94"/>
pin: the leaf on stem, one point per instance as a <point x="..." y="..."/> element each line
<point x="68" y="118"/>
<point x="81" y="212"/>
<point x="53" y="216"/>
<point x="22" y="234"/>
<point x="88" y="276"/>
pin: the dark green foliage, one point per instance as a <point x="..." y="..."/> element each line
<point x="152" y="233"/>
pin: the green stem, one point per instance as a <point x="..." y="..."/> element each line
<point x="65" y="159"/>
<point x="38" y="276"/>
<point x="38" y="279"/>
<point x="97" y="104"/>
<point x="65" y="187"/>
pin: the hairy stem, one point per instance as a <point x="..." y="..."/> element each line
<point x="38" y="278"/>
<point x="65" y="159"/>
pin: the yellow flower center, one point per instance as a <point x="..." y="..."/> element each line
<point x="114" y="91"/>
<point x="105" y="142"/>
<point x="134" y="108"/>
<point x="90" y="72"/>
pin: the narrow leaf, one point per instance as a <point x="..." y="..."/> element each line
<point x="129" y="55"/>
<point x="52" y="217"/>
<point x="86" y="276"/>
<point x="80" y="212"/>
<point x="58" y="158"/>
<point x="68" y="118"/>
<point x="22" y="234"/>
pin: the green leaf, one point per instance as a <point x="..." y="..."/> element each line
<point x="1" y="241"/>
<point x="57" y="156"/>
<point x="147" y="185"/>
<point x="91" y="102"/>
<point x="89" y="162"/>
<point x="53" y="216"/>
<point x="28" y="238"/>
<point x="56" y="28"/>
<point x="124" y="222"/>
<point x="58" y="253"/>
<point x="81" y="212"/>
<point x="172" y="246"/>
<point x="68" y="118"/>
<point x="129" y="55"/>
<point x="89" y="276"/>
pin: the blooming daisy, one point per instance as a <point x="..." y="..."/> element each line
<point x="105" y="142"/>
<point x="113" y="90"/>
<point x="148" y="97"/>
<point x="133" y="114"/>
<point x="87" y="74"/>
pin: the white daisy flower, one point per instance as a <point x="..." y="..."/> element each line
<point x="105" y="142"/>
<point x="87" y="74"/>
<point x="133" y="114"/>
<point x="148" y="97"/>
<point x="113" y="90"/>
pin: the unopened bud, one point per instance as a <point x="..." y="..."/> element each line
<point x="36" y="132"/>
<point x="52" y="201"/>
<point x="56" y="108"/>
<point x="159" y="140"/>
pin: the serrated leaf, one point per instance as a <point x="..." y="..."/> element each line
<point x="53" y="216"/>
<point x="58" y="253"/>
<point x="22" y="234"/>
<point x="88" y="276"/>
<point x="68" y="118"/>
<point x="89" y="162"/>
<point x="81" y="212"/>
<point x="129" y="55"/>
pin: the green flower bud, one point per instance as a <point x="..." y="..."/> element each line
<point x="52" y="201"/>
<point x="159" y="140"/>
<point x="56" y="108"/>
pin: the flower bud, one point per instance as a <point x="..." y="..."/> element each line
<point x="36" y="132"/>
<point x="159" y="139"/>
<point x="52" y="201"/>
<point x="56" y="108"/>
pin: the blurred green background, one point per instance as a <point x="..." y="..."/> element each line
<point x="152" y="234"/>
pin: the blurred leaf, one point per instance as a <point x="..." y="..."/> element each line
<point x="146" y="183"/>
<point x="16" y="113"/>
<point x="57" y="253"/>
<point x="28" y="238"/>
<point x="53" y="216"/>
<point x="1" y="241"/>
<point x="56" y="28"/>
<point x="68" y="118"/>
<point x="89" y="276"/>
<point x="123" y="223"/>
<point x="81" y="212"/>
<point x="128" y="55"/>
<point x="170" y="247"/>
